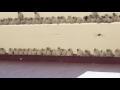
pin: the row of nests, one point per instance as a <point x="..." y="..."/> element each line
<point x="60" y="52"/>
<point x="93" y="18"/>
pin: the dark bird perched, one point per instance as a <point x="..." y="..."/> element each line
<point x="39" y="52"/>
<point x="104" y="19"/>
<point x="53" y="19"/>
<point x="17" y="21"/>
<point x="33" y="21"/>
<point x="96" y="53"/>
<point x="74" y="20"/>
<point x="44" y="52"/>
<point x="11" y="51"/>
<point x="70" y="52"/>
<point x="59" y="52"/>
<point x="79" y="20"/>
<point x="117" y="53"/>
<point x="118" y="18"/>
<point x="20" y="15"/>
<point x="16" y="51"/>
<point x="48" y="52"/>
<point x="69" y="18"/>
<point x="21" y="51"/>
<point x="48" y="20"/>
<point x="37" y="21"/>
<point x="29" y="51"/>
<point x="37" y="15"/>
<point x="27" y="20"/>
<point x="25" y="51"/>
<point x="109" y="53"/>
<point x="11" y="21"/>
<point x="34" y="51"/>
<point x="63" y="19"/>
<point x="102" y="53"/>
<point x="2" y="51"/>
<point x="42" y="19"/>
<point x="87" y="53"/>
<point x="86" y="19"/>
<point x="99" y="20"/>
<point x="1" y="22"/>
<point x="54" y="52"/>
<point x="80" y="53"/>
<point x="58" y="20"/>
<point x="110" y="19"/>
<point x="92" y="19"/>
<point x="23" y="21"/>
<point x="95" y="14"/>
<point x="115" y="17"/>
<point x="6" y="22"/>
<point x="64" y="52"/>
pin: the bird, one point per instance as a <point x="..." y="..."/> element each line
<point x="11" y="21"/>
<point x="48" y="52"/>
<point x="2" y="51"/>
<point x="63" y="19"/>
<point x="34" y="51"/>
<point x="44" y="52"/>
<point x="87" y="53"/>
<point x="6" y="22"/>
<point x="11" y="51"/>
<point x="20" y="15"/>
<point x="17" y="21"/>
<point x="1" y="22"/>
<point x="27" y="20"/>
<point x="38" y="21"/>
<point x="110" y="19"/>
<point x="79" y="20"/>
<point x="117" y="53"/>
<point x="53" y="19"/>
<point x="86" y="19"/>
<point x="96" y="53"/>
<point x="48" y="20"/>
<point x="95" y="14"/>
<point x="92" y="19"/>
<point x="53" y="52"/>
<point x="104" y="19"/>
<point x="102" y="53"/>
<point x="59" y="51"/>
<point x="58" y="20"/>
<point x="43" y="20"/>
<point x="115" y="17"/>
<point x="39" y="52"/>
<point x="64" y="52"/>
<point x="99" y="20"/>
<point x="69" y="52"/>
<point x="33" y="21"/>
<point x="16" y="51"/>
<point x="29" y="51"/>
<point x="37" y="15"/>
<point x="118" y="18"/>
<point x="74" y="20"/>
<point x="21" y="51"/>
<point x="69" y="18"/>
<point x="23" y="21"/>
<point x="25" y="51"/>
<point x="80" y="53"/>
<point x="109" y="53"/>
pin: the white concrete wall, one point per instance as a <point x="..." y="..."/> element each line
<point x="65" y="35"/>
<point x="45" y="14"/>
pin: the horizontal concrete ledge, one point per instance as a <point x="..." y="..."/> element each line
<point x="60" y="24"/>
<point x="64" y="59"/>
